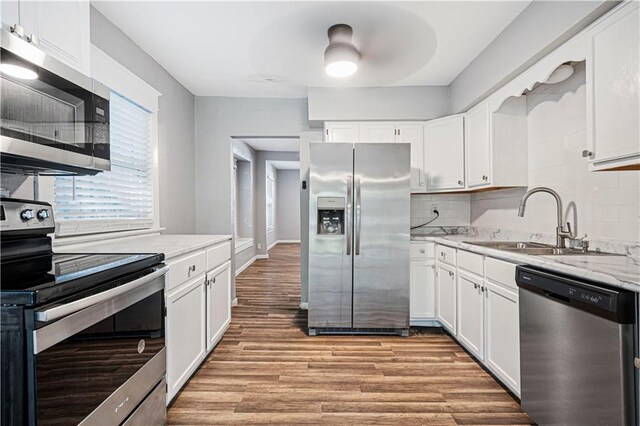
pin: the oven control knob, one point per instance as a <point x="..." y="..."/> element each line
<point x="43" y="214"/>
<point x="27" y="214"/>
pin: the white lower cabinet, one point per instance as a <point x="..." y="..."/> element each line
<point x="422" y="282"/>
<point x="218" y="286"/>
<point x="502" y="327"/>
<point x="471" y="312"/>
<point x="446" y="296"/>
<point x="185" y="331"/>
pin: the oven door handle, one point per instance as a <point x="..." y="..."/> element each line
<point x="77" y="305"/>
<point x="49" y="335"/>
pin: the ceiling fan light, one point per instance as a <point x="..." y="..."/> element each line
<point x="18" y="71"/>
<point x="341" y="57"/>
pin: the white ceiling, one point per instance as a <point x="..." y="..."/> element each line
<point x="273" y="144"/>
<point x="275" y="49"/>
<point x="285" y="165"/>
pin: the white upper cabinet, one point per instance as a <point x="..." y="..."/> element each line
<point x="378" y="132"/>
<point x="413" y="133"/>
<point x="444" y="153"/>
<point x="341" y="132"/>
<point x="59" y="28"/>
<point x="613" y="87"/>
<point x="478" y="152"/>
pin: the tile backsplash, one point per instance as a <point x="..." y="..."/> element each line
<point x="454" y="209"/>
<point x="602" y="205"/>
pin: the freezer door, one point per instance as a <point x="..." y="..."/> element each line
<point x="382" y="207"/>
<point x="330" y="244"/>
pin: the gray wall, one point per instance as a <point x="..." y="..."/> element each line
<point x="539" y="29"/>
<point x="288" y="205"/>
<point x="377" y="103"/>
<point x="176" y="135"/>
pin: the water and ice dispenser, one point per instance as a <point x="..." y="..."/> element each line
<point x="331" y="215"/>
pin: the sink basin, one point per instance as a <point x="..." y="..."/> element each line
<point x="508" y="245"/>
<point x="537" y="249"/>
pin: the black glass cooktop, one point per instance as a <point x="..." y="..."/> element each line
<point x="42" y="279"/>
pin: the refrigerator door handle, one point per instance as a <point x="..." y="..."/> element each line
<point x="358" y="216"/>
<point x="348" y="213"/>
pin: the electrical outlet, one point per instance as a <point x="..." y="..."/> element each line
<point x="259" y="246"/>
<point x="434" y="207"/>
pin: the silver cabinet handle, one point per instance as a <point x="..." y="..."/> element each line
<point x="485" y="178"/>
<point x="586" y="153"/>
<point x="358" y="216"/>
<point x="348" y="213"/>
<point x="450" y="274"/>
<point x="17" y="30"/>
<point x="33" y="39"/>
<point x="460" y="182"/>
<point x="482" y="289"/>
<point x="422" y="250"/>
<point x="475" y="285"/>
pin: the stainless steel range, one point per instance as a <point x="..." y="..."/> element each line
<point x="82" y="335"/>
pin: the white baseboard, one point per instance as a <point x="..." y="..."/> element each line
<point x="262" y="256"/>
<point x="304" y="305"/>
<point x="423" y="322"/>
<point x="246" y="265"/>
<point x="271" y="245"/>
<point x="234" y="302"/>
<point x="287" y="241"/>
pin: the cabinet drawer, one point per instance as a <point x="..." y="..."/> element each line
<point x="501" y="272"/>
<point x="471" y="262"/>
<point x="185" y="267"/>
<point x="422" y="250"/>
<point x="446" y="254"/>
<point x="217" y="255"/>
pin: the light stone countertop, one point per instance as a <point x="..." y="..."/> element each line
<point x="170" y="245"/>
<point x="616" y="271"/>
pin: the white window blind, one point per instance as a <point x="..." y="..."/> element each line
<point x="121" y="198"/>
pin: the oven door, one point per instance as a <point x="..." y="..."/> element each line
<point x="53" y="120"/>
<point x="98" y="364"/>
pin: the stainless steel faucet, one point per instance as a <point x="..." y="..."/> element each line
<point x="561" y="234"/>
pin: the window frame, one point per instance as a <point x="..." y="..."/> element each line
<point x="119" y="79"/>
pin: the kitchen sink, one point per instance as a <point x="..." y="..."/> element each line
<point x="537" y="249"/>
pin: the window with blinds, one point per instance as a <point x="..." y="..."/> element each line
<point x="121" y="198"/>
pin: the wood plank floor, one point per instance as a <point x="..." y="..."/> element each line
<point x="266" y="370"/>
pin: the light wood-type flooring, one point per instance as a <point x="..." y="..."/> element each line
<point x="266" y="370"/>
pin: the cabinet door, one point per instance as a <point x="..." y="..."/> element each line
<point x="218" y="304"/>
<point x="62" y="28"/>
<point x="470" y="312"/>
<point x="414" y="134"/>
<point x="377" y="132"/>
<point x="10" y="14"/>
<point x="422" y="290"/>
<point x="612" y="76"/>
<point x="446" y="297"/>
<point x="444" y="153"/>
<point x="477" y="146"/>
<point x="341" y="132"/>
<point x="502" y="324"/>
<point x="185" y="327"/>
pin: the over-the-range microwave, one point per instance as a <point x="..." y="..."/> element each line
<point x="54" y="119"/>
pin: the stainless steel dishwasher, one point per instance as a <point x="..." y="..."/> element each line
<point x="577" y="346"/>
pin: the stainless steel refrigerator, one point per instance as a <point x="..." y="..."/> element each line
<point x="359" y="207"/>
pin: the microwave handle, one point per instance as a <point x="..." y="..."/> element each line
<point x="111" y="303"/>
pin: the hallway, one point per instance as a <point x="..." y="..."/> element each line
<point x="267" y="370"/>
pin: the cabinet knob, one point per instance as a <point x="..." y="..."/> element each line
<point x="450" y="274"/>
<point x="421" y="250"/>
<point x="586" y="153"/>
<point x="460" y="182"/>
<point x="485" y="178"/>
<point x="475" y="285"/>
<point x="482" y="289"/>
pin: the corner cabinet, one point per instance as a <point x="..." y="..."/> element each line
<point x="444" y="154"/>
<point x="59" y="28"/>
<point x="613" y="90"/>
